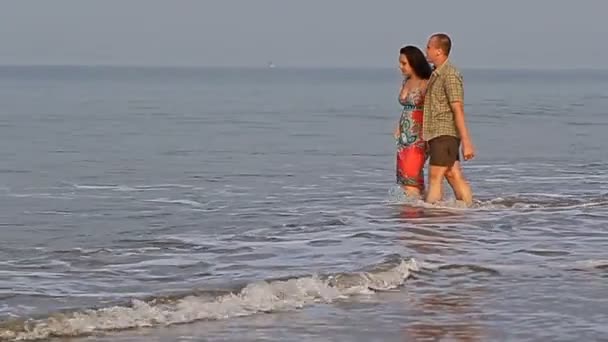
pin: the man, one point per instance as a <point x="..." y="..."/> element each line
<point x="444" y="126"/>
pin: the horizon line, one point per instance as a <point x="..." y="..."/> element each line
<point x="293" y="67"/>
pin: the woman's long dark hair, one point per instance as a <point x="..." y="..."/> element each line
<point x="417" y="61"/>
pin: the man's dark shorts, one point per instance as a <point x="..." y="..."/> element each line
<point x="444" y="150"/>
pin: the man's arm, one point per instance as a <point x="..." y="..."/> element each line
<point x="461" y="126"/>
<point x="455" y="93"/>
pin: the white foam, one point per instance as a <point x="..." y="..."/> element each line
<point x="105" y="187"/>
<point x="178" y="201"/>
<point x="263" y="296"/>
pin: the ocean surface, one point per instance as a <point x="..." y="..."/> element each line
<point x="184" y="204"/>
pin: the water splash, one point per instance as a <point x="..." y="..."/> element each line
<point x="257" y="297"/>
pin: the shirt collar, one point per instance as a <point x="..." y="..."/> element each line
<point x="437" y="70"/>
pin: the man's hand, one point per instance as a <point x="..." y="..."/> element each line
<point x="468" y="150"/>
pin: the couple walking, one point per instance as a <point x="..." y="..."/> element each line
<point x="432" y="123"/>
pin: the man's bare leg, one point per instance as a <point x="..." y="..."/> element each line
<point x="434" y="192"/>
<point x="460" y="186"/>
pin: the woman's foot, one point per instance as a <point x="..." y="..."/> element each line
<point x="411" y="191"/>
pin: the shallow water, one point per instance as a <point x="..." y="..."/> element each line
<point x="197" y="204"/>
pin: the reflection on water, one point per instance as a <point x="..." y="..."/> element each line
<point x="436" y="315"/>
<point x="441" y="315"/>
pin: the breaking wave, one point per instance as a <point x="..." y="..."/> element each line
<point x="256" y="297"/>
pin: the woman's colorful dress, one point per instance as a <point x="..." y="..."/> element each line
<point x="411" y="149"/>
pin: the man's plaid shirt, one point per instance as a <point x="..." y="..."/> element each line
<point x="444" y="87"/>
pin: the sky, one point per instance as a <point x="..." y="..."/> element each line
<point x="306" y="33"/>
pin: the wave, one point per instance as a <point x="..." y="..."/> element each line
<point x="257" y="297"/>
<point x="532" y="200"/>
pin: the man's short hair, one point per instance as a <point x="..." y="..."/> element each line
<point x="444" y="42"/>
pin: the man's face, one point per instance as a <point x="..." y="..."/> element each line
<point x="432" y="50"/>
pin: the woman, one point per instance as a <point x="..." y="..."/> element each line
<point x="411" y="149"/>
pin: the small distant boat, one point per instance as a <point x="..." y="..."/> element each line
<point x="271" y="65"/>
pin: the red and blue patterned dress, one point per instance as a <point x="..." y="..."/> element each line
<point x="411" y="149"/>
